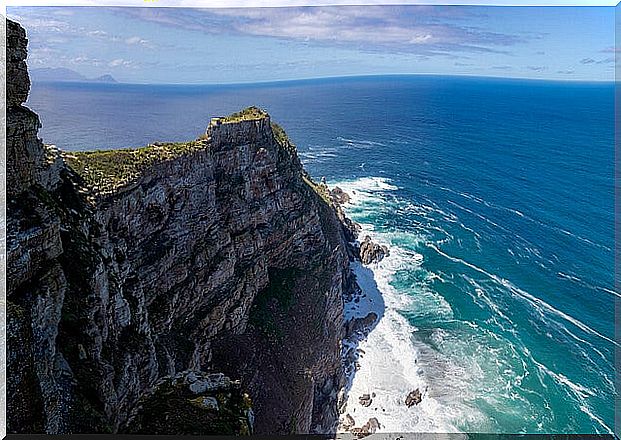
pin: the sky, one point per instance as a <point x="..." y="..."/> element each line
<point x="193" y="46"/>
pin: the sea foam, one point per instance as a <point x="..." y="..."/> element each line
<point x="391" y="362"/>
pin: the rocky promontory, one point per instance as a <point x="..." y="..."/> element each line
<point x="138" y="277"/>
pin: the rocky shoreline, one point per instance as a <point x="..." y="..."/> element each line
<point x="361" y="321"/>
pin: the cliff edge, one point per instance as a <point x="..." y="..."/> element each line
<point x="177" y="288"/>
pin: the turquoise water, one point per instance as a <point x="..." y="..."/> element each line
<point x="496" y="196"/>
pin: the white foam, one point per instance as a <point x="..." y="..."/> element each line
<point x="393" y="362"/>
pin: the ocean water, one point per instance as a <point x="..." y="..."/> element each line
<point x="496" y="198"/>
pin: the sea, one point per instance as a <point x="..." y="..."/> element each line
<point x="496" y="200"/>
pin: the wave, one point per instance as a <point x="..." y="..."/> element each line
<point x="360" y="143"/>
<point x="520" y="214"/>
<point x="538" y="303"/>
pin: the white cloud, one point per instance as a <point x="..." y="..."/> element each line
<point x="136" y="40"/>
<point x="421" y="29"/>
<point x="121" y="62"/>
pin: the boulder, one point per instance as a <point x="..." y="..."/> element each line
<point x="371" y="252"/>
<point x="368" y="428"/>
<point x="365" y="400"/>
<point x="348" y="422"/>
<point x="373" y="425"/>
<point x="414" y="398"/>
<point x="339" y="196"/>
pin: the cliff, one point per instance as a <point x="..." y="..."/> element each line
<point x="177" y="288"/>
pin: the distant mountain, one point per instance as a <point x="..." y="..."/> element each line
<point x="64" y="74"/>
<point x="105" y="78"/>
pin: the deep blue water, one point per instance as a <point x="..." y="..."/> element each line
<point x="498" y="196"/>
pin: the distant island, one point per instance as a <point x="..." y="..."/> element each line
<point x="61" y="74"/>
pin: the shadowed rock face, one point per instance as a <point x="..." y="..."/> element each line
<point x="219" y="258"/>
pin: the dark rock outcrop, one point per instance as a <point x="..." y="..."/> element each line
<point x="371" y="252"/>
<point x="365" y="400"/>
<point x="339" y="196"/>
<point x="370" y="427"/>
<point x="351" y="229"/>
<point x="131" y="273"/>
<point x="413" y="398"/>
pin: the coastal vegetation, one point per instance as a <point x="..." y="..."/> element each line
<point x="106" y="170"/>
<point x="247" y="114"/>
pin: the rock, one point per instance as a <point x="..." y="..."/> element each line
<point x="350" y="228"/>
<point x="413" y="398"/>
<point x="207" y="403"/>
<point x="374" y="425"/>
<point x="365" y="400"/>
<point x="363" y="325"/>
<point x="370" y="427"/>
<point x="172" y="406"/>
<point x="17" y="80"/>
<point x="371" y="252"/>
<point x="348" y="422"/>
<point x="82" y="352"/>
<point x="212" y="382"/>
<point x="339" y="196"/>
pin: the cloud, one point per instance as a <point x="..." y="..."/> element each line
<point x="608" y="60"/>
<point x="119" y="62"/>
<point x="42" y="24"/>
<point x="537" y="68"/>
<point x="57" y="26"/>
<point x="84" y="60"/>
<point x="417" y="29"/>
<point x="137" y="41"/>
<point x="566" y="72"/>
<point x="501" y="67"/>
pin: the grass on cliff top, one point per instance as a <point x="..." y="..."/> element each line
<point x="106" y="170"/>
<point x="247" y="114"/>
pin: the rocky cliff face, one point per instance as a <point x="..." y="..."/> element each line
<point x="136" y="277"/>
